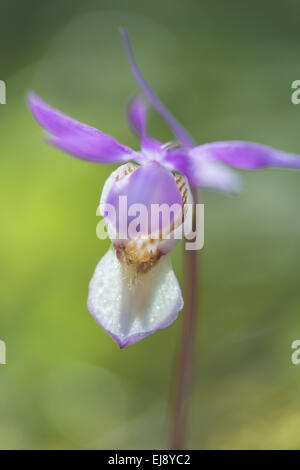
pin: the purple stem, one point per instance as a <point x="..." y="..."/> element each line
<point x="183" y="374"/>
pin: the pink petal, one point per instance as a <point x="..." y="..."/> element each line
<point x="247" y="155"/>
<point x="76" y="138"/>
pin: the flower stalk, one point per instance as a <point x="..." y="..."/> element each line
<point x="185" y="361"/>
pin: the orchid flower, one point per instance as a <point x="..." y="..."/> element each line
<point x="134" y="291"/>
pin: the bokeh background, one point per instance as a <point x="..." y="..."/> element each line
<point x="225" y="70"/>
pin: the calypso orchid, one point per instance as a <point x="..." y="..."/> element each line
<point x="134" y="291"/>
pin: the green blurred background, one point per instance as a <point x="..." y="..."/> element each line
<point x="225" y="70"/>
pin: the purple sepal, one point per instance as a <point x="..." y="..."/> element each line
<point x="77" y="138"/>
<point x="247" y="155"/>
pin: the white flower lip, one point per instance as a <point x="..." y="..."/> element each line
<point x="130" y="307"/>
